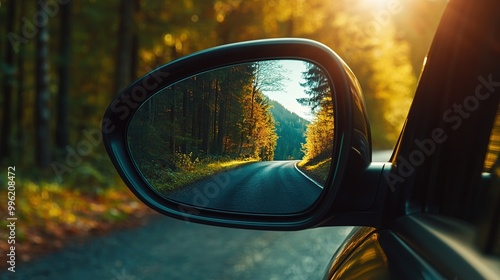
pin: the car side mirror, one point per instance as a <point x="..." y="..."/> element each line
<point x="197" y="138"/>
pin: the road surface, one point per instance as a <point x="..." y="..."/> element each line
<point x="170" y="249"/>
<point x="258" y="187"/>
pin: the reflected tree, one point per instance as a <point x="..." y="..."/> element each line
<point x="320" y="132"/>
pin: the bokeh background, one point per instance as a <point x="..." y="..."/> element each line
<point x="62" y="62"/>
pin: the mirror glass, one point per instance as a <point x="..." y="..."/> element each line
<point x="254" y="137"/>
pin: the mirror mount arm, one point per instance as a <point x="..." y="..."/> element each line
<point x="361" y="200"/>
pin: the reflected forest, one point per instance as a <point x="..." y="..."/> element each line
<point x="223" y="118"/>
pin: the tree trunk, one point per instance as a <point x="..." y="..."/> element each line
<point x="214" y="124"/>
<point x="221" y="131"/>
<point x="62" y="128"/>
<point x="205" y="117"/>
<point x="124" y="47"/>
<point x="172" y="123"/>
<point x="20" y="138"/>
<point x="184" y="122"/>
<point x="42" y="153"/>
<point x="134" y="55"/>
<point x="8" y="82"/>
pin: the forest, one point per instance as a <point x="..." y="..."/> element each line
<point x="290" y="130"/>
<point x="62" y="62"/>
<point x="224" y="115"/>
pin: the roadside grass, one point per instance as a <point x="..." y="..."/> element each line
<point x="168" y="180"/>
<point x="318" y="169"/>
<point x="50" y="214"/>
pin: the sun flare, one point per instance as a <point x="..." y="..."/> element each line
<point x="378" y="4"/>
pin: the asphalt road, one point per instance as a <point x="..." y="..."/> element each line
<point x="171" y="249"/>
<point x="259" y="187"/>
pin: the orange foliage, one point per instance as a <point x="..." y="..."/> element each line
<point x="48" y="216"/>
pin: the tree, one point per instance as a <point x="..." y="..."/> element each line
<point x="267" y="76"/>
<point x="8" y="84"/>
<point x="317" y="87"/>
<point x="20" y="106"/>
<point x="42" y="113"/>
<point x="62" y="127"/>
<point x="265" y="127"/>
<point x="124" y="45"/>
<point x="319" y="136"/>
<point x="320" y="132"/>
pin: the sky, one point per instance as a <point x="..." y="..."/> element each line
<point x="292" y="70"/>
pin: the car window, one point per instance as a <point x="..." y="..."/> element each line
<point x="493" y="146"/>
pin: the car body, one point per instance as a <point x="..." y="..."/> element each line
<point x="433" y="210"/>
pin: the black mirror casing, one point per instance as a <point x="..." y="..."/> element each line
<point x="352" y="147"/>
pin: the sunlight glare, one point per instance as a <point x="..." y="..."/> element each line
<point x="377" y="4"/>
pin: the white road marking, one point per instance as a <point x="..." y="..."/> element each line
<point x="310" y="179"/>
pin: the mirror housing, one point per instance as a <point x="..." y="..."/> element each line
<point x="351" y="148"/>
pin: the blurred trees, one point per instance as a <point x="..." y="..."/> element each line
<point x="124" y="49"/>
<point x="83" y="61"/>
<point x="64" y="73"/>
<point x="7" y="82"/>
<point x="42" y="111"/>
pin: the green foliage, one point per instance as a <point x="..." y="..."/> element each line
<point x="290" y="129"/>
<point x="318" y="89"/>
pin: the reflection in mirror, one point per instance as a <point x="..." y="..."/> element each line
<point x="254" y="137"/>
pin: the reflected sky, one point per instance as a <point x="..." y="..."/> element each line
<point x="292" y="69"/>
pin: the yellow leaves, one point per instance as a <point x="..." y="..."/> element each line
<point x="224" y="7"/>
<point x="97" y="208"/>
<point x="48" y="212"/>
<point x="178" y="46"/>
<point x="168" y="39"/>
<point x="393" y="81"/>
<point x="53" y="210"/>
<point x="220" y="17"/>
<point x="319" y="135"/>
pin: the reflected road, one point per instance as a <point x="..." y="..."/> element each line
<point x="258" y="187"/>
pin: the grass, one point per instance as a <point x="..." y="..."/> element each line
<point x="50" y="214"/>
<point x="172" y="180"/>
<point x="318" y="169"/>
